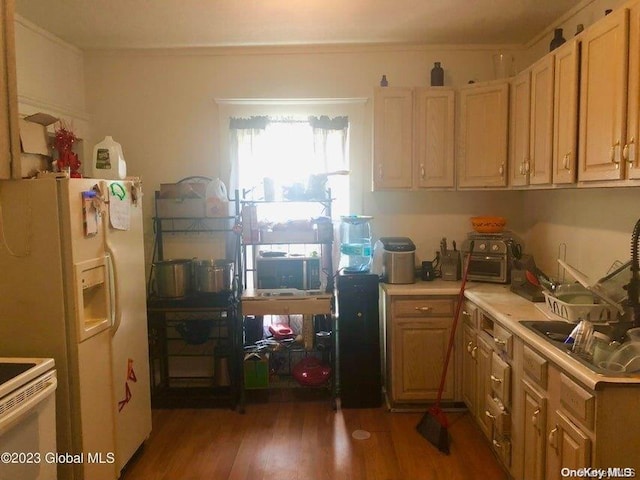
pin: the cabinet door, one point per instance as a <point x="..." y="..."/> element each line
<point x="534" y="410"/>
<point x="570" y="446"/>
<point x="469" y="366"/>
<point x="565" y="113"/>
<point x="433" y="137"/>
<point x="484" y="382"/>
<point x="484" y="114"/>
<point x="9" y="137"/>
<point x="603" y="96"/>
<point x="630" y="151"/>
<point x="541" y="140"/>
<point x="520" y="117"/>
<point x="392" y="137"/>
<point x="417" y="355"/>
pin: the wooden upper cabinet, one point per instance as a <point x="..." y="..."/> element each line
<point x="519" y="127"/>
<point x="482" y="144"/>
<point x="413" y="138"/>
<point x="541" y="138"/>
<point x="565" y="113"/>
<point x="433" y="148"/>
<point x="603" y="97"/>
<point x="9" y="135"/>
<point x="630" y="153"/>
<point x="392" y="137"/>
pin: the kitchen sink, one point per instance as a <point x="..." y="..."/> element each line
<point x="556" y="332"/>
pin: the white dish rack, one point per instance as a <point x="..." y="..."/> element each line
<point x="572" y="312"/>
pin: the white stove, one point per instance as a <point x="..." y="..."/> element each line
<point x="27" y="418"/>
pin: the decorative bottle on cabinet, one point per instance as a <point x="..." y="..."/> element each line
<point x="557" y="39"/>
<point x="437" y="75"/>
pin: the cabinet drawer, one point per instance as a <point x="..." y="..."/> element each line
<point x="503" y="340"/>
<point x="535" y="367"/>
<point x="499" y="416"/>
<point x="502" y="447"/>
<point x="577" y="401"/>
<point x="469" y="314"/>
<point x="500" y="379"/>
<point x="422" y="307"/>
<point x="287" y="307"/>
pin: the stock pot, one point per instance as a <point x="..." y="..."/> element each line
<point x="213" y="276"/>
<point x="172" y="278"/>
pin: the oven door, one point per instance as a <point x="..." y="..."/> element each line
<point x="488" y="268"/>
<point x="28" y="430"/>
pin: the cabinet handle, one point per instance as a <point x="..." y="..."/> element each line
<point x="470" y="347"/>
<point x="613" y="154"/>
<point x="553" y="438"/>
<point x="380" y="172"/>
<point x="534" y="418"/>
<point x="501" y="169"/>
<point x="488" y="414"/>
<point x="497" y="444"/>
<point x="423" y="309"/>
<point x="422" y="170"/>
<point x="466" y="314"/>
<point x="527" y="167"/>
<point x="500" y="342"/>
<point x="473" y="352"/>
<point x="567" y="159"/>
<point x="496" y="379"/>
<point x="629" y="152"/>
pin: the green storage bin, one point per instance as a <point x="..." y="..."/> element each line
<point x="256" y="371"/>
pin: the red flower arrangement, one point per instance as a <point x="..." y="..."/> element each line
<point x="63" y="143"/>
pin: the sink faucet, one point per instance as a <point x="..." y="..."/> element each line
<point x="631" y="316"/>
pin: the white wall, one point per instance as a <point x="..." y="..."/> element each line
<point x="161" y="106"/>
<point x="50" y="75"/>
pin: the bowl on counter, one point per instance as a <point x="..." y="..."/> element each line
<point x="488" y="224"/>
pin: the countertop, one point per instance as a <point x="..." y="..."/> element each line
<point x="509" y="309"/>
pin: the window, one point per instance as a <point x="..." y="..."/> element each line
<point x="289" y="157"/>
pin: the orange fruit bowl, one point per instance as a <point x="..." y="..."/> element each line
<point x="488" y="224"/>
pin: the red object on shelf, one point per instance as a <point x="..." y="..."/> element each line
<point x="280" y="331"/>
<point x="311" y="372"/>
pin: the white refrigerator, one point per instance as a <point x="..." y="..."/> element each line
<point x="72" y="287"/>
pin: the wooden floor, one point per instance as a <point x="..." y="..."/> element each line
<point x="307" y="441"/>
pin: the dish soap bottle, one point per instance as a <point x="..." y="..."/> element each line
<point x="108" y="160"/>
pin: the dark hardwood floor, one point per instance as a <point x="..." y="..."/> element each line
<point x="307" y="441"/>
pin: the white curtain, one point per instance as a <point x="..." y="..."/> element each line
<point x="289" y="150"/>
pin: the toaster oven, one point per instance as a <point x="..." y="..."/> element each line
<point x="491" y="257"/>
<point x="298" y="272"/>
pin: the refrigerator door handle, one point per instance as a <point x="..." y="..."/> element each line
<point x="113" y="293"/>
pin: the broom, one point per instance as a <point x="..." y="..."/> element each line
<point x="434" y="424"/>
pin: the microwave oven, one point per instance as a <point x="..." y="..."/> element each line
<point x="298" y="272"/>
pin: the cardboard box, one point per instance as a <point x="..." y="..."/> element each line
<point x="256" y="370"/>
<point x="180" y="207"/>
<point x="34" y="140"/>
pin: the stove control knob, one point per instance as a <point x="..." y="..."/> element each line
<point x="495" y="248"/>
<point x="482" y="247"/>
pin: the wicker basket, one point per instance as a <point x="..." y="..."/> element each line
<point x="572" y="312"/>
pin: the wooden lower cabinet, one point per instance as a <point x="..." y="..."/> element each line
<point x="469" y="362"/>
<point x="417" y="335"/>
<point x="569" y="447"/>
<point x="534" y="438"/>
<point x="418" y="349"/>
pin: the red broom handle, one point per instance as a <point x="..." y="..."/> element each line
<point x="443" y="377"/>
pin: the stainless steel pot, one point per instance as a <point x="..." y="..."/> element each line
<point x="213" y="276"/>
<point x="172" y="278"/>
